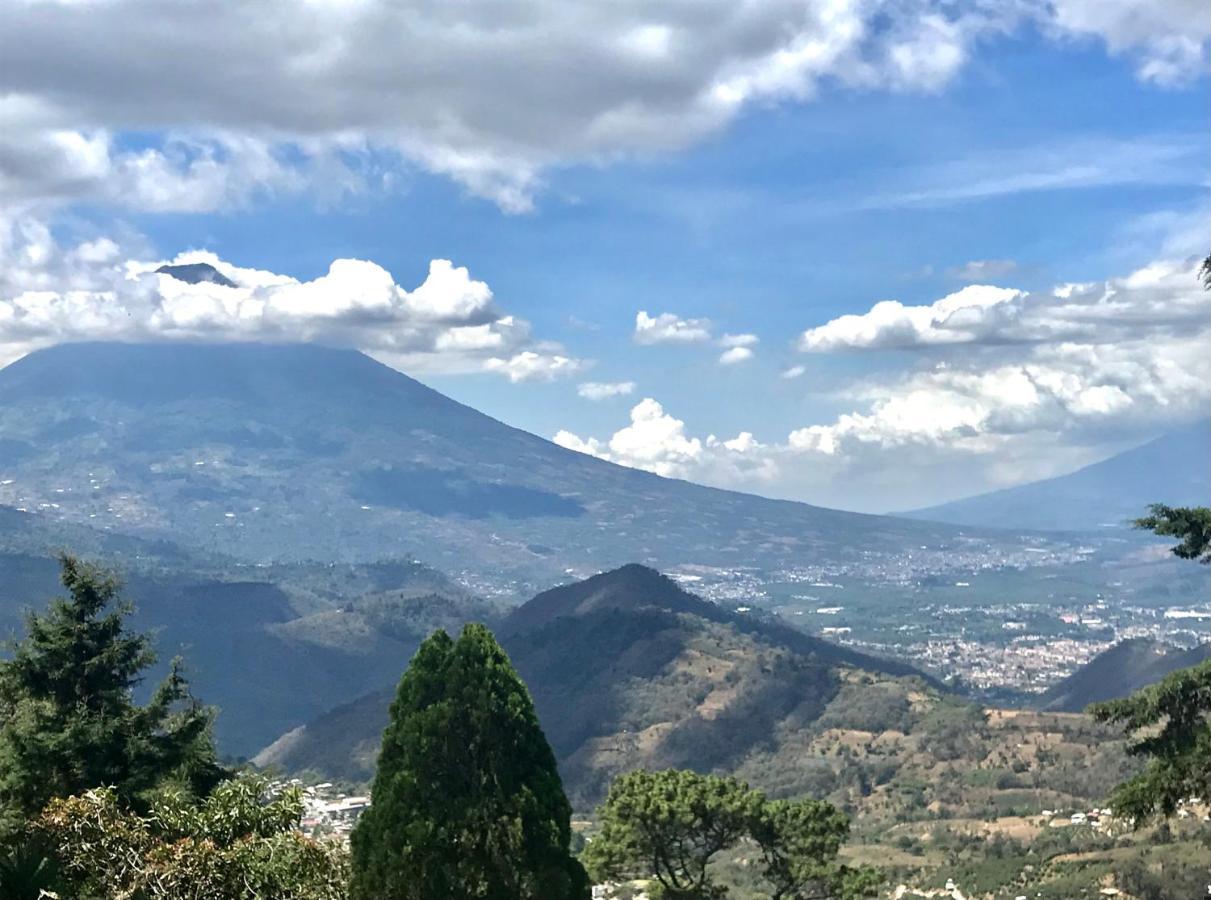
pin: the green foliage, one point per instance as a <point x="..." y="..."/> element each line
<point x="232" y="846"/>
<point x="1191" y="524"/>
<point x="67" y="719"/>
<point x="668" y="826"/>
<point x="799" y="842"/>
<point x="1176" y="718"/>
<point x="467" y="801"/>
<point x="671" y="825"/>
<point x="30" y="871"/>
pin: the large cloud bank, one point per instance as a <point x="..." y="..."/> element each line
<point x="95" y="291"/>
<point x="203" y="105"/>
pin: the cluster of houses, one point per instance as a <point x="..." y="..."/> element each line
<point x="326" y="810"/>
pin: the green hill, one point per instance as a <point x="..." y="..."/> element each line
<point x="1121" y="670"/>
<point x="627" y="669"/>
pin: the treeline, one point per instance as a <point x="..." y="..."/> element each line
<point x="103" y="798"/>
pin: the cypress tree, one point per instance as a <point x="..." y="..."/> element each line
<point x="467" y="802"/>
<point x="68" y="721"/>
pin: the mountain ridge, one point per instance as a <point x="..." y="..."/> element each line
<point x="280" y="452"/>
<point x="1174" y="468"/>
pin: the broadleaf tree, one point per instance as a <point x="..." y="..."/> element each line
<point x="237" y="844"/>
<point x="467" y="801"/>
<point x="68" y="720"/>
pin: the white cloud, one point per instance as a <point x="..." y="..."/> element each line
<point x="667" y="328"/>
<point x="739" y="340"/>
<point x="1166" y="38"/>
<point x="1163" y="297"/>
<point x="955" y="318"/>
<point x="320" y="92"/>
<point x="100" y="289"/>
<point x="654" y="441"/>
<point x="531" y="365"/>
<point x="1017" y="387"/>
<point x="735" y="355"/>
<point x="793" y="372"/>
<point x="604" y="390"/>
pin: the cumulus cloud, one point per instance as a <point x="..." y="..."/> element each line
<point x="735" y="355"/>
<point x="739" y="348"/>
<point x="491" y="95"/>
<point x="667" y="328"/>
<point x="793" y="372"/>
<point x="1162" y="297"/>
<point x="96" y="290"/>
<point x="656" y="441"/>
<point x="1012" y="387"/>
<point x="604" y="390"/>
<point x="532" y="365"/>
<point x="955" y="318"/>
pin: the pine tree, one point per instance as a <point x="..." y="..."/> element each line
<point x="68" y="721"/>
<point x="467" y="801"/>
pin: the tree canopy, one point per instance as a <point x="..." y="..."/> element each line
<point x="1174" y="715"/>
<point x="467" y="801"/>
<point x="1191" y="524"/>
<point x="237" y="844"/>
<point x="68" y="720"/>
<point x="669" y="826"/>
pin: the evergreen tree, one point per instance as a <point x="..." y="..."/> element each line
<point x="669" y="826"/>
<point x="467" y="801"/>
<point x="1172" y="718"/>
<point x="68" y="721"/>
<point x="1190" y="523"/>
<point x="672" y="825"/>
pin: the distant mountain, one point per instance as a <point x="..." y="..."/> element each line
<point x="297" y="452"/>
<point x="627" y="669"/>
<point x="1121" y="670"/>
<point x="196" y="273"/>
<point x="1174" y="469"/>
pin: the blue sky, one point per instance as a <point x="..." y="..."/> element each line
<point x="1048" y="152"/>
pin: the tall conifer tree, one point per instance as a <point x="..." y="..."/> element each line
<point x="467" y="801"/>
<point x="68" y="721"/>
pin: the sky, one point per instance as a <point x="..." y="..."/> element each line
<point x="870" y="254"/>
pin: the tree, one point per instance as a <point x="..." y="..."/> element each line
<point x="671" y="825"/>
<point x="1191" y="524"/>
<point x="799" y="843"/>
<point x="237" y="844"/>
<point x="467" y="801"/>
<point x="68" y="721"/>
<point x="1176" y="716"/>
